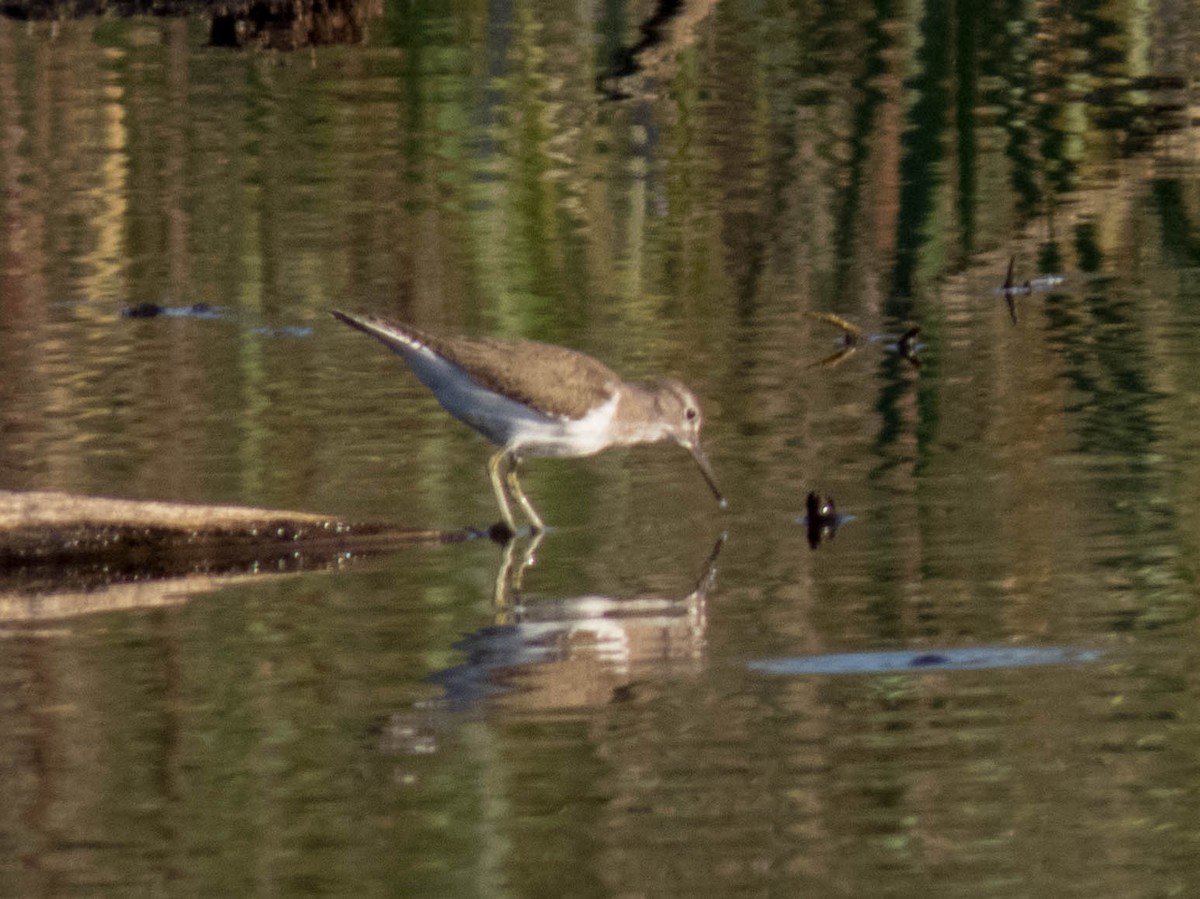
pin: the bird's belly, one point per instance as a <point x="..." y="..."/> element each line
<point x="561" y="437"/>
<point x="512" y="424"/>
<point x="532" y="433"/>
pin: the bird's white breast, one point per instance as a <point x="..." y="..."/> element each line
<point x="507" y="422"/>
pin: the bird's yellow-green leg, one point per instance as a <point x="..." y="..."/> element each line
<point x="498" y="486"/>
<point x="514" y="488"/>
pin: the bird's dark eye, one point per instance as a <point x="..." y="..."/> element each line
<point x="690" y="413"/>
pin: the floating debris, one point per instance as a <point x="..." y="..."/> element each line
<point x="907" y="346"/>
<point x="154" y="310"/>
<point x="853" y="336"/>
<point x="822" y="519"/>
<point x="1011" y="289"/>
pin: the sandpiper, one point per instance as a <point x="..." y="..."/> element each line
<point x="537" y="399"/>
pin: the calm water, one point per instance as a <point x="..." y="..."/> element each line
<point x="672" y="699"/>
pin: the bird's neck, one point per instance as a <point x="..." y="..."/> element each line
<point x="637" y="418"/>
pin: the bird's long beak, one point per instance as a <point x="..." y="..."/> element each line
<point x="706" y="470"/>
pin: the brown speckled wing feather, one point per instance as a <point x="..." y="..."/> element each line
<point x="552" y="379"/>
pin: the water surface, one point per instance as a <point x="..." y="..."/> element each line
<point x="451" y="721"/>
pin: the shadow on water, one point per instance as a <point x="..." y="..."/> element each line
<point x="573" y="651"/>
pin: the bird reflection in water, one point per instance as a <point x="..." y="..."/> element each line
<point x="579" y="651"/>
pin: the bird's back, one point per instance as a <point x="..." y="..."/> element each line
<point x="553" y="380"/>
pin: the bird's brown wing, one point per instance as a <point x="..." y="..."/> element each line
<point x="552" y="379"/>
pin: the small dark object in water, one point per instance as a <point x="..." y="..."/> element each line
<point x="927" y="660"/>
<point x="1011" y="289"/>
<point x="822" y="519"/>
<point x="142" y="310"/>
<point x="1027" y="287"/>
<point x="154" y="310"/>
<point x="906" y="346"/>
<point x="852" y="337"/>
<point x="501" y="533"/>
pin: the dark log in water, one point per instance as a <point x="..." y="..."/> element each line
<point x="53" y="544"/>
<point x="61" y="528"/>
